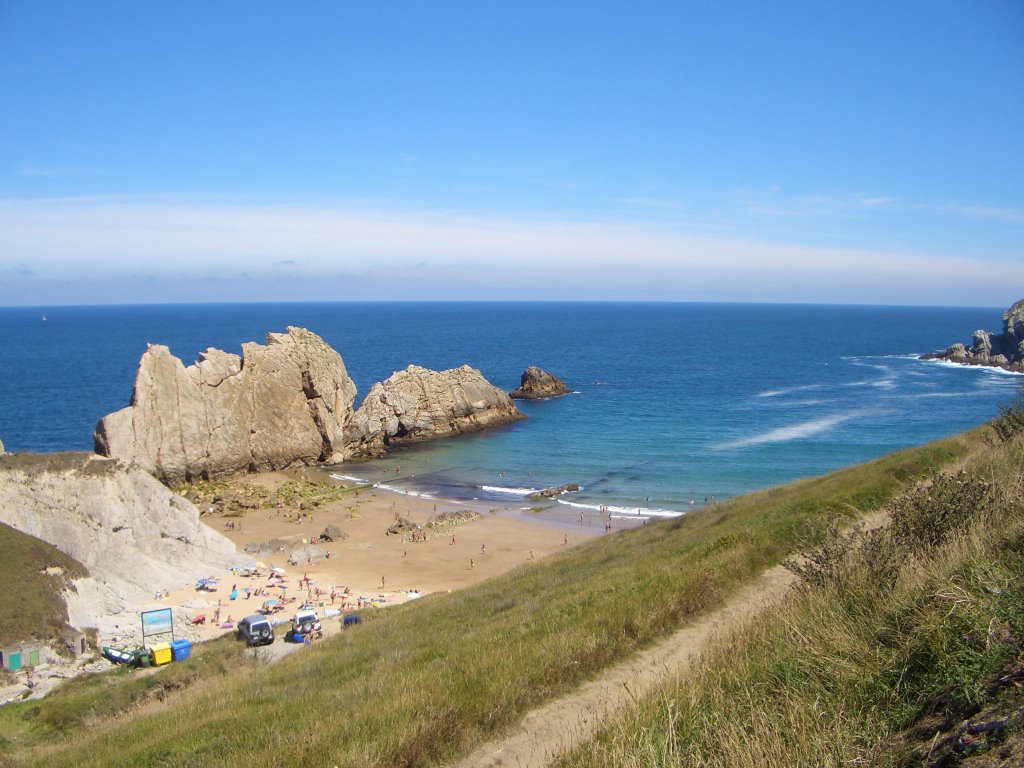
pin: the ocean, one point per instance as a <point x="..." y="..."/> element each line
<point x="674" y="405"/>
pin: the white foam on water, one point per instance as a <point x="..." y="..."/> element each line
<point x="631" y="512"/>
<point x="349" y="478"/>
<point x="510" y="491"/>
<point x="792" y="432"/>
<point x="964" y="366"/>
<point x="787" y="390"/>
<point x="403" y="491"/>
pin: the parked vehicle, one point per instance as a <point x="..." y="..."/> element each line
<point x="305" y="622"/>
<point x="256" y="630"/>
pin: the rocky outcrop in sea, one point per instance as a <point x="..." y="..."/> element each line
<point x="419" y="404"/>
<point x="537" y="384"/>
<point x="1004" y="350"/>
<point x="280" y="404"/>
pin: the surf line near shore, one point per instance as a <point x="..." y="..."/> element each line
<point x="496" y="494"/>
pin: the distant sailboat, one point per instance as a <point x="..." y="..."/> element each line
<point x="44" y="318"/>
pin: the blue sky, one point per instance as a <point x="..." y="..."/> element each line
<point x="866" y="152"/>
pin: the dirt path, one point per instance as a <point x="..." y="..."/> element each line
<point x="558" y="726"/>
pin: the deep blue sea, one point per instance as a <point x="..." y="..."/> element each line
<point x="673" y="403"/>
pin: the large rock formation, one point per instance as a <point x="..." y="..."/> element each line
<point x="1005" y="350"/>
<point x="537" y="384"/>
<point x="419" y="404"/>
<point x="279" y="405"/>
<point x="132" y="534"/>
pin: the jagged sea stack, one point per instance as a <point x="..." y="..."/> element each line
<point x="1005" y="350"/>
<point x="419" y="404"/>
<point x="278" y="405"/>
<point x="537" y="384"/>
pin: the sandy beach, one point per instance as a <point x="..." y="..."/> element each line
<point x="381" y="569"/>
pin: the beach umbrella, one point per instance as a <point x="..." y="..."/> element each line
<point x="271" y="601"/>
<point x="278" y="570"/>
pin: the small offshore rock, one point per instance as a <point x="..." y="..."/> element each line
<point x="550" y="493"/>
<point x="537" y="384"/>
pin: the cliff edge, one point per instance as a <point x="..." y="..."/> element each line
<point x="131" y="533"/>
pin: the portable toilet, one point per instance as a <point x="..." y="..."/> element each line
<point x="181" y="649"/>
<point x="160" y="654"/>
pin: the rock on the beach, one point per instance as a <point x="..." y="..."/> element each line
<point x="132" y="534"/>
<point x="537" y="384"/>
<point x="419" y="404"/>
<point x="1004" y="350"/>
<point x="278" y="405"/>
<point x="304" y="555"/>
<point x="333" y="533"/>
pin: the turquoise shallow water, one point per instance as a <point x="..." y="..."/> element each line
<point x="673" y="403"/>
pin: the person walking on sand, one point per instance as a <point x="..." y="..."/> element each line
<point x="453" y="542"/>
<point x="483" y="549"/>
<point x="471" y="563"/>
<point x="565" y="539"/>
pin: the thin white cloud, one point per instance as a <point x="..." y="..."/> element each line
<point x="340" y="252"/>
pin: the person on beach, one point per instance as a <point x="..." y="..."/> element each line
<point x="565" y="539"/>
<point x="471" y="563"/>
<point x="453" y="542"/>
<point x="483" y="549"/>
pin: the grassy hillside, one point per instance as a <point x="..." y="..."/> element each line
<point x="905" y="647"/>
<point x="33" y="605"/>
<point x="420" y="683"/>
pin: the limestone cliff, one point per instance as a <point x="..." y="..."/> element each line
<point x="280" y="404"/>
<point x="1005" y="350"/>
<point x="132" y="534"/>
<point x="537" y="384"/>
<point x="419" y="404"/>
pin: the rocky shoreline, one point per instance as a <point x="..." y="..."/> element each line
<point x="1003" y="350"/>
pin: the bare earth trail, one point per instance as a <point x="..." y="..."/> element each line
<point x="556" y="727"/>
<point x="560" y="725"/>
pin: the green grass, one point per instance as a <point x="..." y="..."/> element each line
<point x="420" y="683"/>
<point x="35" y="609"/>
<point x="896" y="638"/>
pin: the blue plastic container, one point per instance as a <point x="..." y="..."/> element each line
<point x="181" y="650"/>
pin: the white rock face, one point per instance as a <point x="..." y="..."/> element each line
<point x="278" y="405"/>
<point x="419" y="404"/>
<point x="132" y="533"/>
